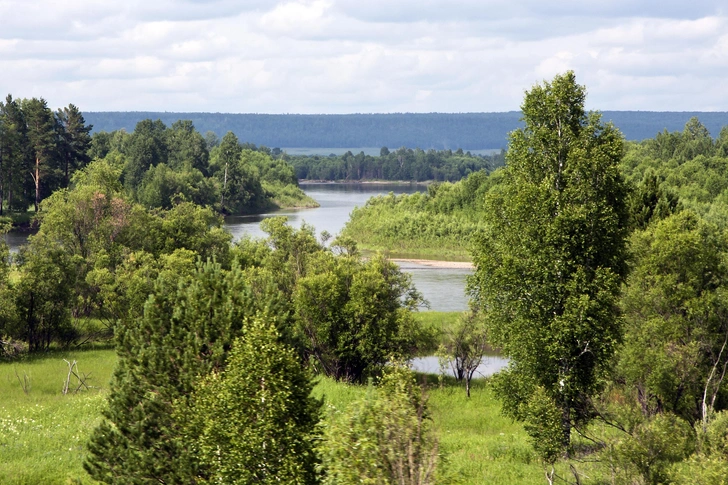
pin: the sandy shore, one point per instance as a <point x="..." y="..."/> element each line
<point x="436" y="264"/>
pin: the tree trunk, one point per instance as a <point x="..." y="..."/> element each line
<point x="224" y="186"/>
<point x="566" y="428"/>
<point x="10" y="186"/>
<point x="67" y="157"/>
<point x="36" y="179"/>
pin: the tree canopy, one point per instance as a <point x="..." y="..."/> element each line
<point x="551" y="259"/>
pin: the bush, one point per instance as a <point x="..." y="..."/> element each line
<point x="386" y="438"/>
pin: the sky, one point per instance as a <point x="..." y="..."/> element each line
<point x="362" y="56"/>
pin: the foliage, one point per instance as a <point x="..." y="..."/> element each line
<point x="549" y="264"/>
<point x="675" y="314"/>
<point x="256" y="421"/>
<point x="386" y="438"/>
<point x="43" y="296"/>
<point x="186" y="331"/>
<point x="163" y="166"/>
<point x="161" y="187"/>
<point x="647" y="453"/>
<point x="709" y="464"/>
<point x="464" y="348"/>
<point x="402" y="164"/>
<point x="347" y="316"/>
<point x="352" y="316"/>
<point x="441" y="222"/>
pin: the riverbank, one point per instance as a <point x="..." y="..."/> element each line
<point x="417" y="251"/>
<point x="436" y="263"/>
<point x="19" y="221"/>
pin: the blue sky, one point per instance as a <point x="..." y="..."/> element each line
<point x="361" y="56"/>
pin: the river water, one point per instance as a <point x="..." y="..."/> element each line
<point x="443" y="288"/>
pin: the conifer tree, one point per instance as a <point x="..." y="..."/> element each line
<point x="13" y="151"/>
<point x="74" y="140"/>
<point x="186" y="331"/>
<point x="42" y="139"/>
<point x="256" y="421"/>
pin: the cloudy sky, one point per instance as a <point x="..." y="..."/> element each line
<point x="364" y="56"/>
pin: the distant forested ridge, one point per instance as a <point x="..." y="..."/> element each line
<point x="440" y="131"/>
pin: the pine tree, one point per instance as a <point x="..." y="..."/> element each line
<point x="256" y="421"/>
<point x="74" y="140"/>
<point x="42" y="139"/>
<point x="13" y="150"/>
<point x="186" y="331"/>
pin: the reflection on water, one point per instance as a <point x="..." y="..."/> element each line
<point x="444" y="288"/>
<point x="431" y="365"/>
<point x="336" y="200"/>
<point x="15" y="239"/>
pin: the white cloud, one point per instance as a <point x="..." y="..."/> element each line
<point x="334" y="56"/>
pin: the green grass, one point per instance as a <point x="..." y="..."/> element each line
<point x="480" y="445"/>
<point x="43" y="433"/>
<point x="418" y="250"/>
<point x="289" y="196"/>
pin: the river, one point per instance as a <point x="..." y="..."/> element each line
<point x="444" y="288"/>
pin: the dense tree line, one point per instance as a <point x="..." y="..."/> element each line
<point x="39" y="150"/>
<point x="161" y="165"/>
<point x="403" y="164"/>
<point x="439" y="131"/>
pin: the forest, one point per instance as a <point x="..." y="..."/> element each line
<point x="685" y="167"/>
<point x="600" y="273"/>
<point x="40" y="151"/>
<point x="438" y="131"/>
<point x="403" y="164"/>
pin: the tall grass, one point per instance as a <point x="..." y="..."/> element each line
<point x="43" y="432"/>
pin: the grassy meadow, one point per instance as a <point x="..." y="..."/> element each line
<point x="43" y="432"/>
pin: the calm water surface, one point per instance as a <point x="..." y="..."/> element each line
<point x="431" y="365"/>
<point x="444" y="288"/>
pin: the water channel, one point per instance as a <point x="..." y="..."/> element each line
<point x="443" y="288"/>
